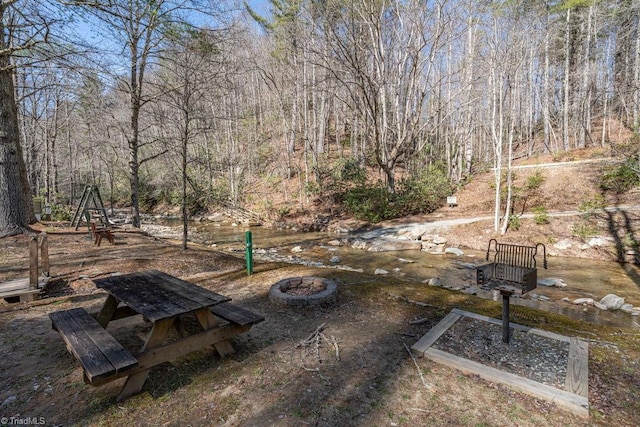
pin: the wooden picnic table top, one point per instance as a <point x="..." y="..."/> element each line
<point x="157" y="295"/>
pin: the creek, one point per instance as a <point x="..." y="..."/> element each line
<point x="584" y="278"/>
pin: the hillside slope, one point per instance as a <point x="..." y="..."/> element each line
<point x="566" y="184"/>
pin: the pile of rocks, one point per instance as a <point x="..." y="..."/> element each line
<point x="610" y="302"/>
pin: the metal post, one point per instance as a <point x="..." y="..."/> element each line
<point x="249" y="253"/>
<point x="505" y="316"/>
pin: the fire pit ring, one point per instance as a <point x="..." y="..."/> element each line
<point x="303" y="291"/>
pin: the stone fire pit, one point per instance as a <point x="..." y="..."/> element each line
<point x="302" y="291"/>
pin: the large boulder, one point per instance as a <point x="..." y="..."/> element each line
<point x="599" y="241"/>
<point x="395" y="245"/>
<point x="610" y="302"/>
<point x="411" y="233"/>
<point x="552" y="281"/>
<point x="563" y="244"/>
<point x="454" y="251"/>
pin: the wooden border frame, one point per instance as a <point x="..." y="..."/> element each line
<point x="575" y="396"/>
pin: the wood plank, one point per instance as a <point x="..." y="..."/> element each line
<point x="553" y="336"/>
<point x="22" y="284"/>
<point x="171" y="351"/>
<point x="577" y="380"/>
<point x="570" y="401"/>
<point x="190" y="344"/>
<point x="107" y="311"/>
<point x="94" y="363"/>
<point x="119" y="357"/>
<point x="138" y="294"/>
<point x="236" y="314"/>
<point x="149" y="289"/>
<point x="197" y="293"/>
<point x="24" y="294"/>
<point x="157" y="295"/>
<point x="44" y="254"/>
<point x="208" y="321"/>
<point x="158" y="335"/>
<point x="14" y="285"/>
<point x="33" y="261"/>
<point x="432" y="336"/>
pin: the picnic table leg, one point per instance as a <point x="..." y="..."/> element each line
<point x="180" y="329"/>
<point x="107" y="311"/>
<point x="158" y="335"/>
<point x="208" y="321"/>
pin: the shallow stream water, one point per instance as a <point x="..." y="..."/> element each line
<point x="584" y="278"/>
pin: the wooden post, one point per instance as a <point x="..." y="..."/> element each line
<point x="44" y="254"/>
<point x="33" y="262"/>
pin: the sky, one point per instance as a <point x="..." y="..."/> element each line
<point x="87" y="30"/>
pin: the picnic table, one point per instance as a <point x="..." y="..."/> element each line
<point x="162" y="300"/>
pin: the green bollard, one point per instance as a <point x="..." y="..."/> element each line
<point x="249" y="253"/>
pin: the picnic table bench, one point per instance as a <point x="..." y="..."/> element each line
<point x="161" y="299"/>
<point x="513" y="270"/>
<point x="99" y="232"/>
<point x="100" y="355"/>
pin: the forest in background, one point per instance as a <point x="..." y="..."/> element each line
<point x="351" y="102"/>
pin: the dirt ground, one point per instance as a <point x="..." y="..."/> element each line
<point x="367" y="378"/>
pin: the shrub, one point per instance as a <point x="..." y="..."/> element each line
<point x="426" y="192"/>
<point x="421" y="194"/>
<point x="514" y="222"/>
<point x="534" y="181"/>
<point x="622" y="178"/>
<point x="584" y="229"/>
<point x="369" y="203"/>
<point x="349" y="170"/>
<point x="61" y="213"/>
<point x="589" y="206"/>
<point x="540" y="215"/>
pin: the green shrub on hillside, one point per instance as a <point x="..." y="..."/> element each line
<point x="589" y="207"/>
<point x="622" y="178"/>
<point x="422" y="194"/>
<point x="534" y="181"/>
<point x="584" y="229"/>
<point x="514" y="222"/>
<point x="61" y="213"/>
<point x="369" y="203"/>
<point x="350" y="170"/>
<point x="426" y="192"/>
<point x="540" y="215"/>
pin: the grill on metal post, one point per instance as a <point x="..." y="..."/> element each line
<point x="512" y="271"/>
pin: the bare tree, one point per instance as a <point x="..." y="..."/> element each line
<point x="191" y="67"/>
<point x="140" y="26"/>
<point x="385" y="54"/>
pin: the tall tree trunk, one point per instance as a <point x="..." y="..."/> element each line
<point x="636" y="75"/>
<point x="16" y="209"/>
<point x="185" y="213"/>
<point x="567" y="73"/>
<point x="546" y="89"/>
